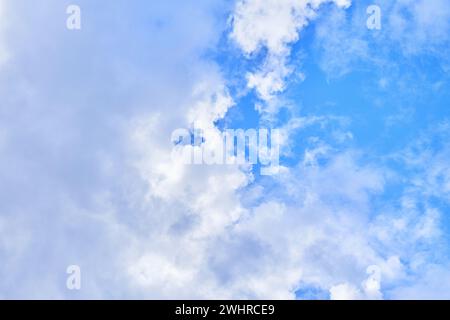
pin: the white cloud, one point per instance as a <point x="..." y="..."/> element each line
<point x="316" y="227"/>
<point x="273" y="25"/>
<point x="101" y="189"/>
<point x="318" y="237"/>
<point x="87" y="170"/>
<point x="270" y="79"/>
<point x="370" y="288"/>
<point x="345" y="291"/>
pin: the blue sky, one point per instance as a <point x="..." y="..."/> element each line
<point x="358" y="210"/>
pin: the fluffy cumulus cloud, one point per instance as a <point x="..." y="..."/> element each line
<point x="274" y="26"/>
<point x="91" y="164"/>
<point x="88" y="176"/>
